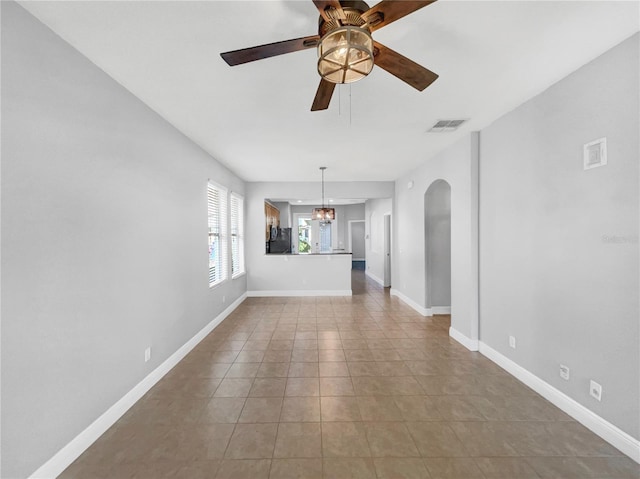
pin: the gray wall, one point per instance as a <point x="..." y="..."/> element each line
<point x="438" y="243"/>
<point x="104" y="245"/>
<point x="457" y="165"/>
<point x="374" y="237"/>
<point x="550" y="272"/>
<point x="348" y="213"/>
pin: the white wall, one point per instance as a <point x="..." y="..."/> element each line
<point x="375" y="210"/>
<point x="262" y="267"/>
<point x="551" y="274"/>
<point x="104" y="245"/>
<point x="457" y="166"/>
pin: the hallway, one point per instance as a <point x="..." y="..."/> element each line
<point x="343" y="387"/>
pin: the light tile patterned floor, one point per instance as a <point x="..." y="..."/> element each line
<point x="359" y="387"/>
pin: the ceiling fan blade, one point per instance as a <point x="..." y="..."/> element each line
<point x="401" y="67"/>
<point x="246" y="55"/>
<point x="323" y="95"/>
<point x="323" y="5"/>
<point x="388" y="11"/>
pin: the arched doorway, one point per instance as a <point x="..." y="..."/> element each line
<point x="437" y="224"/>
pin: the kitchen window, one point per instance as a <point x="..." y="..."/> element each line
<point x="237" y="235"/>
<point x="217" y="212"/>
<point x="314" y="236"/>
<point x="304" y="234"/>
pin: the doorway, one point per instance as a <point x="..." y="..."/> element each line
<point x="357" y="244"/>
<point x="437" y="223"/>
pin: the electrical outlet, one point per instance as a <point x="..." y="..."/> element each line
<point x="224" y="299"/>
<point x="147" y="354"/>
<point x="564" y="372"/>
<point x="512" y="342"/>
<point x="595" y="390"/>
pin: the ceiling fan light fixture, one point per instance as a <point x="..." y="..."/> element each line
<point x="345" y="55"/>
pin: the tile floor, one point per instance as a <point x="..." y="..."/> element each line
<point x="358" y="387"/>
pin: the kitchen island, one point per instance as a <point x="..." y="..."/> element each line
<point x="314" y="274"/>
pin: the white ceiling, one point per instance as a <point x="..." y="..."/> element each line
<point x="254" y="118"/>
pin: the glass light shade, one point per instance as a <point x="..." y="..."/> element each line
<point x="345" y="55"/>
<point x="323" y="214"/>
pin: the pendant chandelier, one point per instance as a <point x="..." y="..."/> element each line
<point x="324" y="213"/>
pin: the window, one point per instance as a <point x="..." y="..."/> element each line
<point x="314" y="236"/>
<point x="217" y="208"/>
<point x="304" y="234"/>
<point x="237" y="235"/>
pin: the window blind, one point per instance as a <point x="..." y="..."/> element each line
<point x="217" y="209"/>
<point x="237" y="235"/>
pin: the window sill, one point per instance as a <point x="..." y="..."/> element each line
<point x="239" y="275"/>
<point x="215" y="285"/>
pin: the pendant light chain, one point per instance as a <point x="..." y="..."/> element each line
<point x="324" y="213"/>
<point x="323" y="168"/>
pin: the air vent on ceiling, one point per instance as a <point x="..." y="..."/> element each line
<point x="446" y="125"/>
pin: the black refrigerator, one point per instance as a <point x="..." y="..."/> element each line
<point x="280" y="241"/>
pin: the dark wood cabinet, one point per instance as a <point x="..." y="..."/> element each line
<point x="272" y="218"/>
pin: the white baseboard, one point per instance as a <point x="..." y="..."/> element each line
<point x="441" y="309"/>
<point x="375" y="278"/>
<point x="69" y="453"/>
<point x="410" y="302"/>
<point x="357" y="259"/>
<point x="297" y="292"/>
<point x="607" y="431"/>
<point x="470" y="344"/>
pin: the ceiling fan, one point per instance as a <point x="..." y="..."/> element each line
<point x="346" y="51"/>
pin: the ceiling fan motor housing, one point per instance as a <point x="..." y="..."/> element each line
<point x="352" y="13"/>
